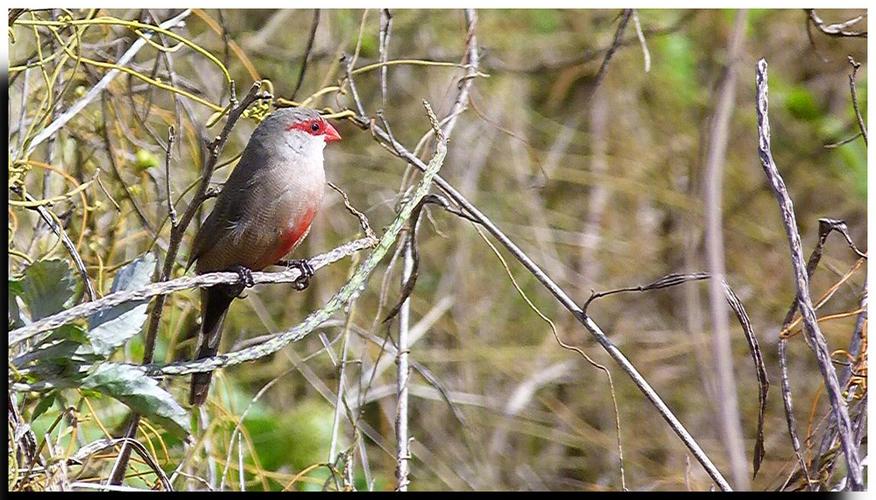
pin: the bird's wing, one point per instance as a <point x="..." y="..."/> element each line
<point x="245" y="200"/>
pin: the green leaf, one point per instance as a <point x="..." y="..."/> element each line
<point x="43" y="405"/>
<point x="110" y="329"/>
<point x="802" y="104"/>
<point x="59" y="347"/>
<point x="145" y="160"/>
<point x="47" y="286"/>
<point x="546" y="21"/>
<point x="130" y="385"/>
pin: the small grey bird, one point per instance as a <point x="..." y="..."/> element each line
<point x="264" y="211"/>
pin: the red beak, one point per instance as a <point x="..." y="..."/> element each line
<point x="331" y="135"/>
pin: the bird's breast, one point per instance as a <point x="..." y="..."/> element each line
<point x="289" y="217"/>
<point x="292" y="234"/>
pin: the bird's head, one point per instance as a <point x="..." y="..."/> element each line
<point x="304" y="123"/>
<point x="309" y="122"/>
<point x="298" y="131"/>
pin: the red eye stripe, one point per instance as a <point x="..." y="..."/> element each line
<point x="312" y="127"/>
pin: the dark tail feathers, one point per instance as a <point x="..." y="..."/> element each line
<point x="214" y="304"/>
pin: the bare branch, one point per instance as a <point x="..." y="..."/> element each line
<point x="51" y="220"/>
<point x="168" y="154"/>
<point x="473" y="61"/>
<point x="383" y="49"/>
<point x="825" y="227"/>
<point x="308" y="49"/>
<point x="813" y="331"/>
<point x="729" y="419"/>
<point x="567" y="301"/>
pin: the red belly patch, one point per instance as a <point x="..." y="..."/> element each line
<point x="292" y="236"/>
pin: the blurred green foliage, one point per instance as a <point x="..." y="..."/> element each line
<point x="530" y="152"/>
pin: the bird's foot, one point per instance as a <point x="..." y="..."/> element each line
<point x="245" y="282"/>
<point x="303" y="267"/>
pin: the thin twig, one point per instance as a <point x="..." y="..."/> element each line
<point x="308" y="48"/>
<point x="363" y="221"/>
<point x="646" y="54"/>
<point x="403" y="452"/>
<point x="842" y="142"/>
<point x="603" y="68"/>
<point x="348" y="66"/>
<point x="472" y="63"/>
<point x="171" y="136"/>
<point x="854" y="88"/>
<point x="729" y="420"/>
<point x="383" y="49"/>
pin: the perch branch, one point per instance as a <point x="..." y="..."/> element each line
<point x="179" y="284"/>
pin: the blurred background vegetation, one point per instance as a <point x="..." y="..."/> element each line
<point x="602" y="186"/>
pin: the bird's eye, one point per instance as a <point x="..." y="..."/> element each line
<point x="314" y="127"/>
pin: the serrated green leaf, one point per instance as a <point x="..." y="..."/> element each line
<point x="107" y="330"/>
<point x="130" y="385"/>
<point x="46" y="287"/>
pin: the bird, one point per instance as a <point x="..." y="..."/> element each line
<point x="263" y="212"/>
